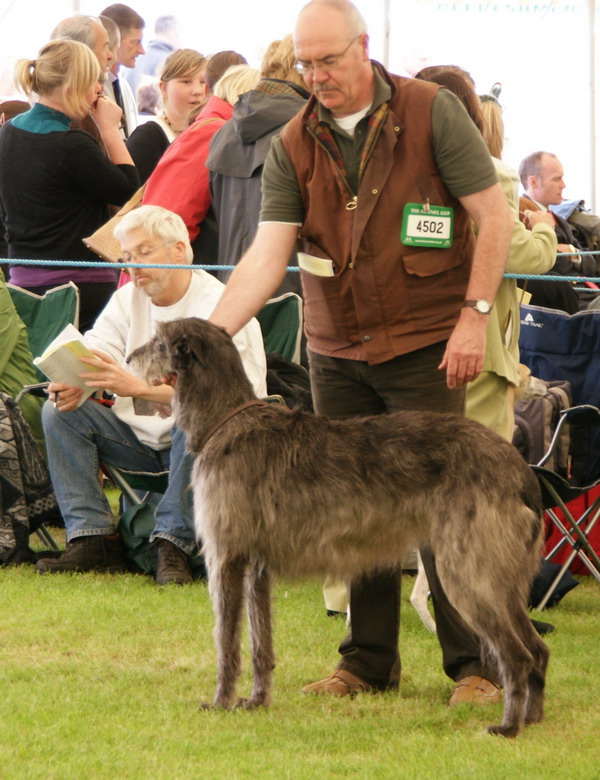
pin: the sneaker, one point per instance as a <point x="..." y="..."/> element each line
<point x="88" y="553"/>
<point x="172" y="564"/>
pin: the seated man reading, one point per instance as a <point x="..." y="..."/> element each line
<point x="129" y="434"/>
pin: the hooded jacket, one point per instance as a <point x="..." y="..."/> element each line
<point x="235" y="161"/>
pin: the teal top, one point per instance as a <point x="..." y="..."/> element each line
<point x="41" y="119"/>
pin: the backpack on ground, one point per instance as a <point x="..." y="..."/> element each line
<point x="535" y="422"/>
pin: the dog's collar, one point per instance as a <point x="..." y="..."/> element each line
<point x="227" y="417"/>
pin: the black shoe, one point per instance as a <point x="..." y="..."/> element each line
<point x="541" y="627"/>
<point x="88" y="553"/>
<point x="17" y="557"/>
<point x="171" y="564"/>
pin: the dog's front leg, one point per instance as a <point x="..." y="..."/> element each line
<point x="260" y="636"/>
<point x="226" y="587"/>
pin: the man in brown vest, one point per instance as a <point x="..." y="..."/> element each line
<point x="380" y="178"/>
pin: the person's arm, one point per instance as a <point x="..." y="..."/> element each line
<point x="256" y="277"/>
<point x="93" y="173"/>
<point x="107" y="116"/>
<point x="463" y="359"/>
<point x="532" y="251"/>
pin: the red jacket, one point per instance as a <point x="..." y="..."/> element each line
<point x="180" y="180"/>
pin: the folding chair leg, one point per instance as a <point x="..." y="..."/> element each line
<point x="120" y="481"/>
<point x="575" y="537"/>
<point x="45" y="537"/>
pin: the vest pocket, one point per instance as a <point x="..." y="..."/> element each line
<point x="430" y="262"/>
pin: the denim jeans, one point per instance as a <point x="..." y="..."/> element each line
<point x="78" y="441"/>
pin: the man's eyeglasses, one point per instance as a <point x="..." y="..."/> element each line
<point x="142" y="254"/>
<point x="326" y="64"/>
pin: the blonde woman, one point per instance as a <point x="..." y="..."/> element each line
<point x="56" y="183"/>
<point x="182" y="89"/>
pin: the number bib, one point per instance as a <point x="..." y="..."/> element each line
<point x="426" y="225"/>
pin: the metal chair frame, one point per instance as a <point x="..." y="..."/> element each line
<point x="557" y="492"/>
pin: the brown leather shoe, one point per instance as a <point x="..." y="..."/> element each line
<point x="172" y="565"/>
<point x="88" y="553"/>
<point x="339" y="683"/>
<point x="475" y="690"/>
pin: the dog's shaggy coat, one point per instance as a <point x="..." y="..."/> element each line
<point x="296" y="494"/>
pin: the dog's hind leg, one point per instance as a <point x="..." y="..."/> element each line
<point x="490" y="611"/>
<point x="226" y="587"/>
<point x="260" y="635"/>
<point x="534" y="706"/>
<point x="515" y="663"/>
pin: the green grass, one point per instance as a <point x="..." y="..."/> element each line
<point x="101" y="677"/>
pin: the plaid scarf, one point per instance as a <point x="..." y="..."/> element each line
<point x="280" y="87"/>
<point x="322" y="132"/>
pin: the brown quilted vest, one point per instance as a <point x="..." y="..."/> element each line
<point x="385" y="299"/>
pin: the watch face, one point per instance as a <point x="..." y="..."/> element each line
<point x="482" y="306"/>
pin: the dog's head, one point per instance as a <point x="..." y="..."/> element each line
<point x="191" y="347"/>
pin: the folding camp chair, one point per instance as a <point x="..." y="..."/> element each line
<point x="45" y="316"/>
<point x="560" y="346"/>
<point x="136" y="486"/>
<point x="557" y="492"/>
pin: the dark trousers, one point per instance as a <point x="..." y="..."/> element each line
<point x="350" y="388"/>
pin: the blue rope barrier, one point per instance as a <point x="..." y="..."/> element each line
<point x="103" y="264"/>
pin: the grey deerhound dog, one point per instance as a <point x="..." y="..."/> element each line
<point x="296" y="494"/>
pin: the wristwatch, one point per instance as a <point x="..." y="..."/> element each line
<point x="481" y="306"/>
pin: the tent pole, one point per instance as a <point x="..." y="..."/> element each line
<point x="386" y="34"/>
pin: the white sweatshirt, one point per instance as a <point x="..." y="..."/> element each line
<point x="129" y="320"/>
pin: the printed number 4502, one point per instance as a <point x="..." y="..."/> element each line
<point x="429" y="226"/>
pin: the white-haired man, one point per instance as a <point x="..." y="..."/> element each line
<point x="90" y="31"/>
<point x="395" y="314"/>
<point x="128" y="434"/>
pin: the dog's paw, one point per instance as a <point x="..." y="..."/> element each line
<point x="250" y="704"/>
<point x="205" y="706"/>
<point x="510" y="732"/>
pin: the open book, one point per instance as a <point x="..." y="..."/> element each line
<point x="61" y="361"/>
